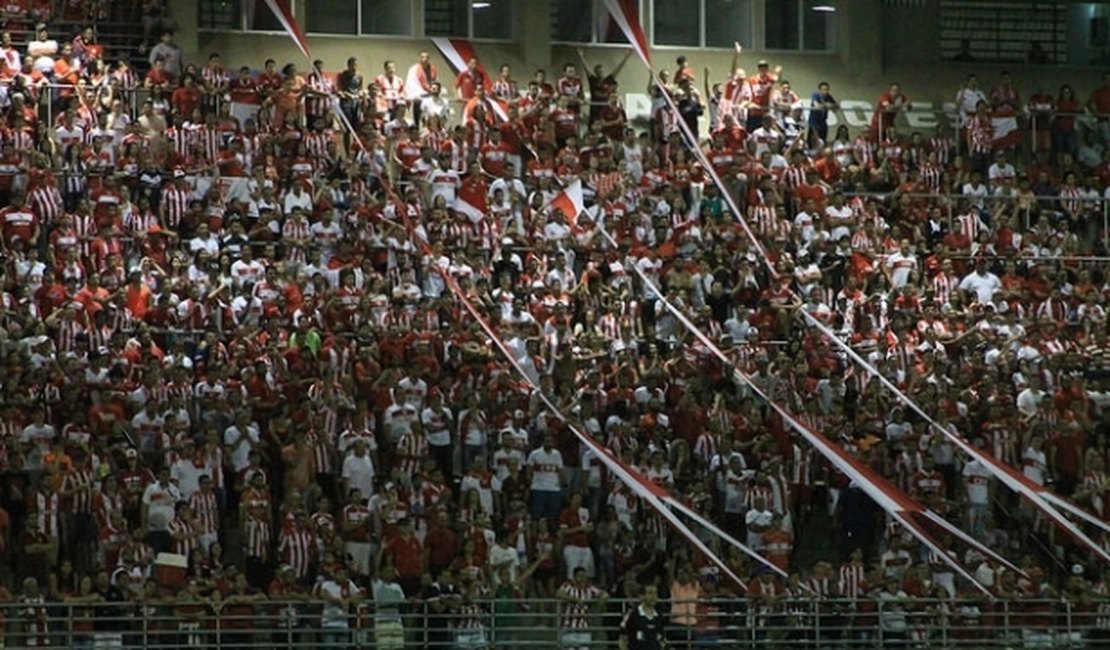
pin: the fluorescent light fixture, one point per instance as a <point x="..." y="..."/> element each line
<point x="827" y="8"/>
<point x="480" y="4"/>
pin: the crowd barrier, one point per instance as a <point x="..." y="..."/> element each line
<point x="532" y="623"/>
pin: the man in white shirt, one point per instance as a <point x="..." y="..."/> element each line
<point x="901" y="265"/>
<point x="358" y="470"/>
<point x="240" y="439"/>
<point x="758" y="521"/>
<point x="159" y="506"/>
<point x="337" y="592"/>
<point x="187" y="470"/>
<point x="1001" y="170"/>
<point x="1029" y="400"/>
<point x="42" y="50"/>
<point x="247" y="269"/>
<point x="297" y="198"/>
<point x="205" y="241"/>
<point x="981" y="282"/>
<point x="545" y="464"/>
<point x="977" y="481"/>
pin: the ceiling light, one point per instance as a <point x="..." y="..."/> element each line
<point x="826" y="8"/>
<point x="480" y="4"/>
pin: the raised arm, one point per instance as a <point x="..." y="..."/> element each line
<point x="617" y="70"/>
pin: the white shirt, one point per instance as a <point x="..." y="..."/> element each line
<point x="359" y="473"/>
<point x="161" y="503"/>
<point x="977" y="478"/>
<point x="761" y="518"/>
<point x="335" y="616"/>
<point x="983" y="286"/>
<point x="239" y="454"/>
<point x="292" y="200"/>
<point x="1033" y="464"/>
<point x="499" y="556"/>
<point x="901" y="266"/>
<point x="546" y="468"/>
<point x="186" y="475"/>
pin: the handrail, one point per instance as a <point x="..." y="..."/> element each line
<point x="536" y="623"/>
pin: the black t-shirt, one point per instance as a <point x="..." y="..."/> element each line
<point x="643" y="632"/>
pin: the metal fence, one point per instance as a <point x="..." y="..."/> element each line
<point x="527" y="623"/>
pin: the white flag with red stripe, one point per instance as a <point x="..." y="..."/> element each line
<point x="570" y="201"/>
<point x="473" y="212"/>
<point x="285" y="16"/>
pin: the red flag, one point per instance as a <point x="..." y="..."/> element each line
<point x="285" y="16"/>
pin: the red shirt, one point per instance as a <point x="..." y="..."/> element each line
<point x="442" y="544"/>
<point x="407" y="555"/>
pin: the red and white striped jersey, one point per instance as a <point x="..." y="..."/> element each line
<point x="256" y="524"/>
<point x="81" y="482"/>
<point x="299" y="548"/>
<point x="47" y="516"/>
<point x="576" y="606"/>
<point x="942" y="147"/>
<point x="105" y="505"/>
<point x="801" y="467"/>
<point x="931" y="175"/>
<point x="316" y="105"/>
<point x="181" y="138"/>
<point x="793" y="177"/>
<point x="852" y="580"/>
<point x="140" y="222"/>
<point x="207" y="511"/>
<point x="943" y="286"/>
<point x="211" y="140"/>
<point x="323" y="444"/>
<point x="864" y="151"/>
<point x="410" y="452"/>
<point x="184" y="536"/>
<point x="980" y="133"/>
<point x="215" y="78"/>
<point x="1069" y="200"/>
<point x="46" y="202"/>
<point x="175" y="204"/>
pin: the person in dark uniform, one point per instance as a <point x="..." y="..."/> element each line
<point x="643" y="627"/>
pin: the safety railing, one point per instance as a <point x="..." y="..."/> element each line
<point x="456" y="622"/>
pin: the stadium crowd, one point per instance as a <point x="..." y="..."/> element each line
<point x="225" y="334"/>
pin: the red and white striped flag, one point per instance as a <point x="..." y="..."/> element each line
<point x="285" y="16"/>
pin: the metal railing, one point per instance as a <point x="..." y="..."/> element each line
<point x="450" y="622"/>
